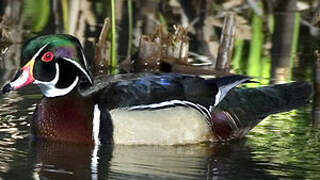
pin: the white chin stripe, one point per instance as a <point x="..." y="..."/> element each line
<point x="49" y="89"/>
<point x="167" y="104"/>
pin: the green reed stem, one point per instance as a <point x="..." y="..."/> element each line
<point x="113" y="60"/>
<point x="295" y="34"/>
<point x="237" y="56"/>
<point x="295" y="40"/>
<point x="64" y="4"/>
<point x="254" y="64"/>
<point x="164" y="23"/>
<point x="129" y="3"/>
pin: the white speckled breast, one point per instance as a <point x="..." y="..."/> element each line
<point x="166" y="126"/>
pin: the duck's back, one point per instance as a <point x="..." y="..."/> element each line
<point x="149" y="88"/>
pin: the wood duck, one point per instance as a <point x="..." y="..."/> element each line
<point x="142" y="108"/>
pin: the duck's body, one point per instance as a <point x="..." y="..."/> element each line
<point x="144" y="108"/>
<point x="162" y="108"/>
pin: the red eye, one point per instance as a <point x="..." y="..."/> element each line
<point x="47" y="57"/>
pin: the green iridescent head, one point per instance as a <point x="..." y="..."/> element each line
<point x="55" y="62"/>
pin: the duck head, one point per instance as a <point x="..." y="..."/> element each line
<point x="55" y="63"/>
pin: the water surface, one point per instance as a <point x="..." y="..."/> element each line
<point x="283" y="146"/>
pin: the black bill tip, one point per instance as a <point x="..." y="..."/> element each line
<point x="7" y="88"/>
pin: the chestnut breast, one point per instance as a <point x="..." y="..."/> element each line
<point x="67" y="118"/>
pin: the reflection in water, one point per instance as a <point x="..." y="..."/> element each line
<point x="316" y="100"/>
<point x="52" y="160"/>
<point x="186" y="162"/>
<point x="14" y="129"/>
<point x="282" y="40"/>
<point x="289" y="143"/>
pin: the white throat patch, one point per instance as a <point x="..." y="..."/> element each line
<point x="49" y="89"/>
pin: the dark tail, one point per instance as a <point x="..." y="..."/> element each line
<point x="242" y="109"/>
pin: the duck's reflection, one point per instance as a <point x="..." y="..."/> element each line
<point x="55" y="160"/>
<point x="52" y="160"/>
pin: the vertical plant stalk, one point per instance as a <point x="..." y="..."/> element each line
<point x="129" y="4"/>
<point x="271" y="23"/>
<point x="255" y="46"/>
<point x="295" y="39"/>
<point x="64" y="4"/>
<point x="265" y="69"/>
<point x="237" y="56"/>
<point x="163" y="23"/>
<point x="113" y="60"/>
<point x="296" y="31"/>
<point x="226" y="43"/>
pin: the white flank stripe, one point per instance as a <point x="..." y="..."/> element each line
<point x="159" y="105"/>
<point x="96" y="124"/>
<point x="164" y="104"/>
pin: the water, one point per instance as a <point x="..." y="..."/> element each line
<point x="283" y="146"/>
